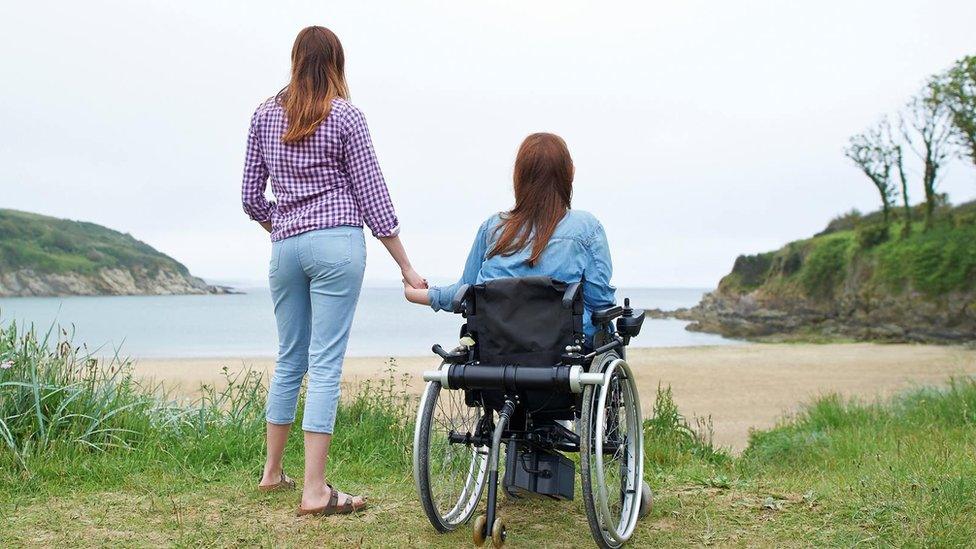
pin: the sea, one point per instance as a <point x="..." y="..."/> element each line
<point x="242" y="325"/>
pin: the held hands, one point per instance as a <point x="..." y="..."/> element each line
<point x="415" y="287"/>
<point x="412" y="279"/>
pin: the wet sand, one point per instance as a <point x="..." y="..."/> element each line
<point x="739" y="387"/>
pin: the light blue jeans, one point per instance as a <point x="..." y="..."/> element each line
<point x="315" y="282"/>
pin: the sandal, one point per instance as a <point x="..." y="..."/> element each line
<point x="332" y="508"/>
<point x="285" y="483"/>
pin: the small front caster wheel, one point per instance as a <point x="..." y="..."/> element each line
<point x="498" y="534"/>
<point x="647" y="501"/>
<point x="480" y="530"/>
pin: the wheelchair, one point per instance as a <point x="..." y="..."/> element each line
<point x="522" y="376"/>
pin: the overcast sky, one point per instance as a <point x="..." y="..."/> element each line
<point x="700" y="130"/>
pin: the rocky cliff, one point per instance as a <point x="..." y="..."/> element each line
<point x="856" y="280"/>
<point x="45" y="256"/>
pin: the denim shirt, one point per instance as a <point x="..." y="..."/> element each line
<point x="578" y="250"/>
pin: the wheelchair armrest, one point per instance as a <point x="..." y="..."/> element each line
<point x="457" y="303"/>
<point x="605" y="316"/>
<point x="569" y="296"/>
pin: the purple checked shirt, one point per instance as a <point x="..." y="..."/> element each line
<point x="330" y="178"/>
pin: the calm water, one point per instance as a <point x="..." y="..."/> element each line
<point x="243" y="325"/>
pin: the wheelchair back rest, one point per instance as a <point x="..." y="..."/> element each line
<point x="526" y="321"/>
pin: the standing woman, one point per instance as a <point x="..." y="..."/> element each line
<point x="316" y="148"/>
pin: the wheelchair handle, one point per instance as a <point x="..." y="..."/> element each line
<point x="439" y="351"/>
<point x="449" y="357"/>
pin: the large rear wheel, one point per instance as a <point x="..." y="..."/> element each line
<point x="450" y="471"/>
<point x="612" y="454"/>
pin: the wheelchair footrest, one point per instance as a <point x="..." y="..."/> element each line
<point x="534" y="471"/>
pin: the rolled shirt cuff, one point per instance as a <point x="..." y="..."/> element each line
<point x="388" y="233"/>
<point x="261" y="213"/>
<point x="434" y="293"/>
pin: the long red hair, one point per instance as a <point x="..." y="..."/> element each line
<point x="543" y="179"/>
<point x="318" y="76"/>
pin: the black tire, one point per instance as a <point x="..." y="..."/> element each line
<point x="477" y="473"/>
<point x="587" y="447"/>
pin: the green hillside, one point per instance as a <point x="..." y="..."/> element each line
<point x="857" y="249"/>
<point x="49" y="245"/>
<point x="856" y="279"/>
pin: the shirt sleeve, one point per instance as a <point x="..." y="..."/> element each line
<point x="255" y="181"/>
<point x="442" y="296"/>
<point x="598" y="293"/>
<point x="368" y="186"/>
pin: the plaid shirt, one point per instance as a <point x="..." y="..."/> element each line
<point x="330" y="178"/>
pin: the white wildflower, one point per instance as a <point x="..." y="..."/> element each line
<point x="6" y="365"/>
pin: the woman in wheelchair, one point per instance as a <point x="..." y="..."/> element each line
<point x="539" y="368"/>
<point x="540" y="236"/>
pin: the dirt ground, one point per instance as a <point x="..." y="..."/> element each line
<point x="739" y="387"/>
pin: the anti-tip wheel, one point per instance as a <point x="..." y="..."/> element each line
<point x="498" y="534"/>
<point x="647" y="500"/>
<point x="479" y="530"/>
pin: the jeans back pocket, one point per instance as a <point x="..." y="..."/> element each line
<point x="331" y="249"/>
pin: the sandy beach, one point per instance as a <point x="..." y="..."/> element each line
<point x="740" y="387"/>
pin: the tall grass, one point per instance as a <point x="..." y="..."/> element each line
<point x="62" y="411"/>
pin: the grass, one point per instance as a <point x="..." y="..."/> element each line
<point x="49" y="245"/>
<point x="93" y="457"/>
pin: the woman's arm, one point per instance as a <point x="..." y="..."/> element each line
<point x="440" y="297"/>
<point x="371" y="194"/>
<point x="255" y="181"/>
<point x="420" y="296"/>
<point x="399" y="254"/>
<point x="368" y="186"/>
<point x="598" y="293"/>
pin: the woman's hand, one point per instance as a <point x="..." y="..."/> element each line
<point x="413" y="279"/>
<point x="395" y="247"/>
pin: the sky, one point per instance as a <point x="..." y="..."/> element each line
<point x="700" y="130"/>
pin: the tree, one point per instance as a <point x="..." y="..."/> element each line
<point x="899" y="158"/>
<point x="872" y="153"/>
<point x="927" y="129"/>
<point x="957" y="90"/>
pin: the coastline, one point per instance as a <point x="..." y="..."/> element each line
<point x="741" y="387"/>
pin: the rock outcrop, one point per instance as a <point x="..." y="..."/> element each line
<point x="133" y="281"/>
<point x="909" y="316"/>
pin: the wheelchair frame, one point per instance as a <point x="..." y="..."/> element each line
<point x="591" y="373"/>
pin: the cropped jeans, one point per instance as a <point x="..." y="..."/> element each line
<point x="315" y="282"/>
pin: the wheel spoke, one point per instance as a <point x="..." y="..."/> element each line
<point x="455" y="471"/>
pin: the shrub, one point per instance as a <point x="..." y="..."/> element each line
<point x="826" y="265"/>
<point x="750" y="271"/>
<point x="934" y="262"/>
<point x="871" y="235"/>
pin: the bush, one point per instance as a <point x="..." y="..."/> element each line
<point x="871" y="235"/>
<point x="826" y="265"/>
<point x="750" y="271"/>
<point x="934" y="262"/>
